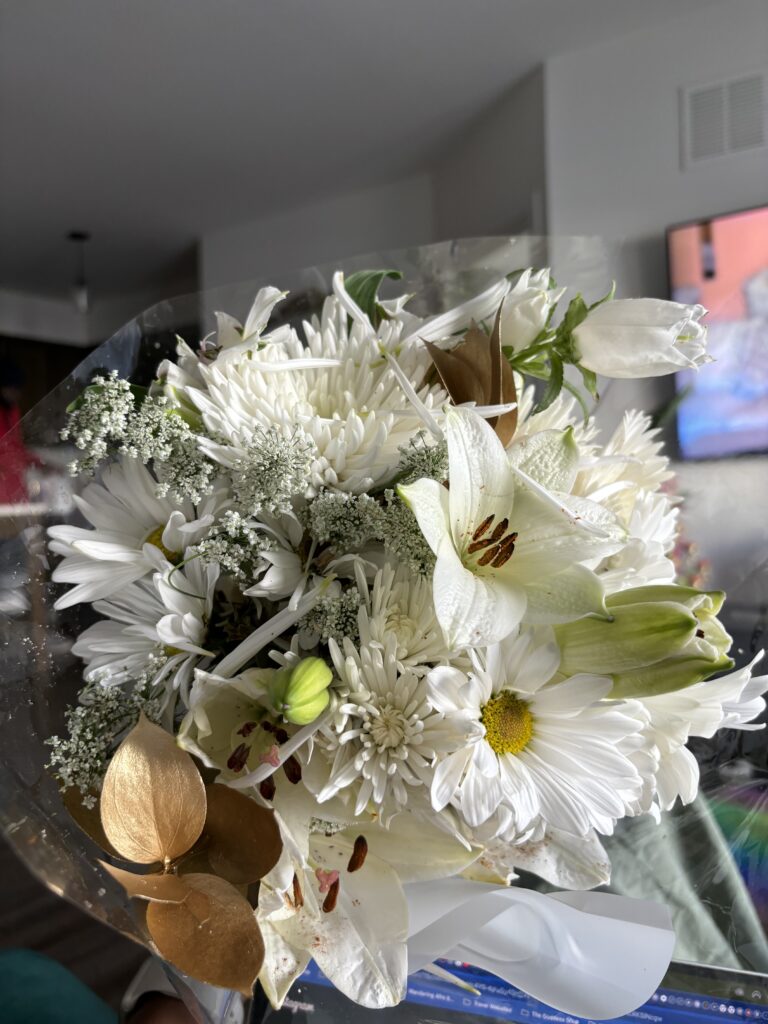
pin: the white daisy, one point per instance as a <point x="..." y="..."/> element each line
<point x="152" y="630"/>
<point x="554" y="752"/>
<point x="385" y="735"/>
<point x="134" y="533"/>
<point x="280" y="569"/>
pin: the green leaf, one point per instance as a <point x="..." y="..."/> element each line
<point x="606" y="298"/>
<point x="578" y="396"/>
<point x="575" y="314"/>
<point x="363" y="288"/>
<point x="590" y="381"/>
<point x="554" y="384"/>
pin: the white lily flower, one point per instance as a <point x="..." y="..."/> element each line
<point x="506" y="548"/>
<point x="526" y="309"/>
<point x="641" y="338"/>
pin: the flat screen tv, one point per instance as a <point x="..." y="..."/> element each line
<point x="722" y="263"/>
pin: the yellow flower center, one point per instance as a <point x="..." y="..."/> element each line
<point x="156" y="538"/>
<point x="508" y="723"/>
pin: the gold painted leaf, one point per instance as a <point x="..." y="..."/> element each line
<point x="212" y="936"/>
<point x="153" y="799"/>
<point x="162" y="888"/>
<point x="241" y="839"/>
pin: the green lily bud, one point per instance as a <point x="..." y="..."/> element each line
<point x="658" y="639"/>
<point x="300" y="694"/>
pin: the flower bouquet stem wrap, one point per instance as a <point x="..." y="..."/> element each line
<point x="357" y="613"/>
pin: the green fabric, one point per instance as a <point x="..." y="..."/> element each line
<point x="36" y="990"/>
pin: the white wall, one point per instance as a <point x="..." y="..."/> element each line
<point x="612" y="149"/>
<point x="35" y="316"/>
<point x="389" y="216"/>
<point x="490" y="180"/>
<point x="42" y="318"/>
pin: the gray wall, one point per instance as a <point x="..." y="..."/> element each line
<point x="391" y="216"/>
<point x="613" y="163"/>
<point x="490" y="181"/>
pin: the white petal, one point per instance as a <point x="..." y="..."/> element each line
<point x="481" y="481"/>
<point x="428" y="500"/>
<point x="474" y="611"/>
<point x="570" y="594"/>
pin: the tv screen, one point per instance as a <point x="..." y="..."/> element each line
<point x="722" y="263"/>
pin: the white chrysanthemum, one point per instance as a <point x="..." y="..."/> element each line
<point x="645" y="559"/>
<point x="399" y="604"/>
<point x="134" y="533"/>
<point x="556" y="753"/>
<point x="564" y="412"/>
<point x="631" y="460"/>
<point x="152" y="630"/>
<point x="338" y="387"/>
<point x="385" y="735"/>
<point x="354" y="414"/>
<point x="730" y="702"/>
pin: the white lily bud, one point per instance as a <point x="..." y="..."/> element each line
<point x="526" y="309"/>
<point x="641" y="338"/>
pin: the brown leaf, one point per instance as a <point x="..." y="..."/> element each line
<point x="155" y="887"/>
<point x="213" y="935"/>
<point x="476" y="371"/>
<point x="153" y="799"/>
<point x="88" y="819"/>
<point x="242" y="839"/>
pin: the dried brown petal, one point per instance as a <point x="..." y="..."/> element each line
<point x="476" y="371"/>
<point x="153" y="799"/>
<point x="241" y="839"/>
<point x="156" y="887"/>
<point x="212" y="936"/>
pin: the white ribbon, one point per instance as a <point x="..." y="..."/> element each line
<point x="590" y="954"/>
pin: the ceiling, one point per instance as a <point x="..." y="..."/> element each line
<point x="151" y="122"/>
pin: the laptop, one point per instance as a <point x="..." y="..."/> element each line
<point x="689" y="994"/>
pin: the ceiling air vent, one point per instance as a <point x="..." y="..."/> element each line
<point x="722" y="118"/>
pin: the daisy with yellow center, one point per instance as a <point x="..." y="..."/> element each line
<point x="551" y="753"/>
<point x="131" y="533"/>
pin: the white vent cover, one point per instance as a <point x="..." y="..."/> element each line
<point x="722" y="118"/>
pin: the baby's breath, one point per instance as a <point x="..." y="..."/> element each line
<point x="419" y="459"/>
<point x="403" y="537"/>
<point x="235" y="545"/>
<point x="273" y="471"/>
<point x="99" y="420"/>
<point x="94" y="726"/>
<point x="333" y="617"/>
<point x="106" y="420"/>
<point x="345" y="521"/>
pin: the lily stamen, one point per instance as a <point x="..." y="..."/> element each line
<point x="500" y="530"/>
<point x="505" y="551"/>
<point x="482" y="528"/>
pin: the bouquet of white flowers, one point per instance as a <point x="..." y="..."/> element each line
<point x="379" y="618"/>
